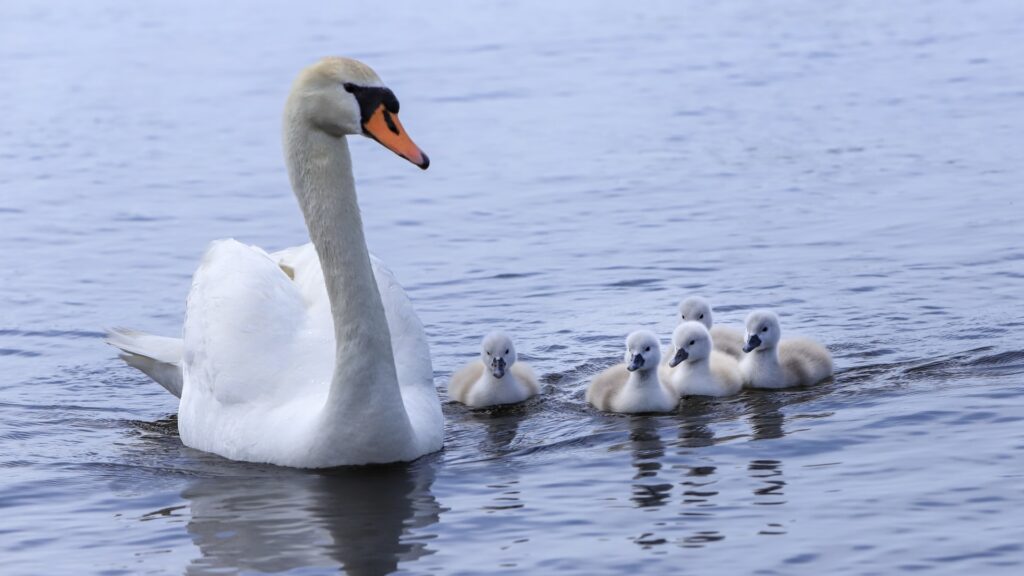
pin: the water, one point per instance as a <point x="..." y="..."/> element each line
<point x="855" y="166"/>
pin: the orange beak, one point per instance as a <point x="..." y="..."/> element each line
<point x="384" y="127"/>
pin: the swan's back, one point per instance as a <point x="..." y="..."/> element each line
<point x="804" y="361"/>
<point x="727" y="340"/>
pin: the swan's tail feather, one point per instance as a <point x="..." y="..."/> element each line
<point x="158" y="357"/>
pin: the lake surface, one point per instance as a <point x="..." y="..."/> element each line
<point x="855" y="166"/>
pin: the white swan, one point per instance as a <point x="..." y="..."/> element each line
<point x="727" y="340"/>
<point x="311" y="357"/>
<point x="635" y="386"/>
<point x="698" y="369"/>
<point x="497" y="378"/>
<point x="770" y="363"/>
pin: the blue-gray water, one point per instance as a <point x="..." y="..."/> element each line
<point x="854" y="165"/>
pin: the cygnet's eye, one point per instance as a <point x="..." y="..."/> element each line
<point x="765" y="329"/>
<point x="488" y="353"/>
<point x="701" y="317"/>
<point x="692" y="342"/>
<point x="648" y="349"/>
<point x="684" y="316"/>
<point x="506" y="350"/>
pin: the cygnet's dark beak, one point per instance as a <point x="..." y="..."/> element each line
<point x="498" y="367"/>
<point x="680" y="356"/>
<point x="752" y="343"/>
<point x="636" y="363"/>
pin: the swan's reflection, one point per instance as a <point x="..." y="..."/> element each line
<point x="696" y="414"/>
<point x="764" y="409"/>
<point x="765" y="414"/>
<point x="362" y="520"/>
<point x="501" y="426"/>
<point x="648" y="450"/>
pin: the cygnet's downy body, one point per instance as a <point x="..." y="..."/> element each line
<point x="496" y="378"/>
<point x="697" y="369"/>
<point x="771" y="362"/>
<point x="634" y="387"/>
<point x="727" y="340"/>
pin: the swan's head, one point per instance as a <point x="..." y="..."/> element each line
<point x="341" y="96"/>
<point x="691" y="341"/>
<point x="763" y="331"/>
<point x="498" y="353"/>
<point x="695" y="309"/>
<point x="643" y="351"/>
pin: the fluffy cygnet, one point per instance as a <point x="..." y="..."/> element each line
<point x="771" y="363"/>
<point x="727" y="340"/>
<point x="496" y="378"/>
<point x="634" y="386"/>
<point x="697" y="369"/>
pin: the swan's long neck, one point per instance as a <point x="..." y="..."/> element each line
<point x="364" y="382"/>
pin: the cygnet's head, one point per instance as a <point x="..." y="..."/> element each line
<point x="691" y="341"/>
<point x="763" y="331"/>
<point x="643" y="351"/>
<point x="497" y="353"/>
<point x="341" y="96"/>
<point x="695" y="309"/>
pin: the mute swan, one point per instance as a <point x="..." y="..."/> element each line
<point x="635" y="386"/>
<point x="311" y="357"/>
<point x="771" y="364"/>
<point x="496" y="379"/>
<point x="727" y="340"/>
<point x="698" y="370"/>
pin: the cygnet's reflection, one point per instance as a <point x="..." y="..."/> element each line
<point x="765" y="414"/>
<point x="501" y="426"/>
<point x="694" y="432"/>
<point x="648" y="450"/>
<point x="362" y="520"/>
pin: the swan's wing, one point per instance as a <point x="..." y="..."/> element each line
<point x="412" y="360"/>
<point x="159" y="357"/>
<point x="413" y="367"/>
<point x="603" y="387"/>
<point x="463" y="380"/>
<point x="525" y="374"/>
<point x="408" y="339"/>
<point x="808" y="361"/>
<point x="243" y="319"/>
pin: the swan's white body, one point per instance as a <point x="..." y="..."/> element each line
<point x="775" y="363"/>
<point x="312" y="357"/>
<point x="636" y="390"/>
<point x="480" y="384"/>
<point x="727" y="340"/>
<point x="705" y="371"/>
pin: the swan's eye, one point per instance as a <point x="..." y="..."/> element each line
<point x="765" y="329"/>
<point x="701" y="317"/>
<point x="684" y="316"/>
<point x="692" y="342"/>
<point x="488" y="353"/>
<point x="648" y="349"/>
<point x="506" y="350"/>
